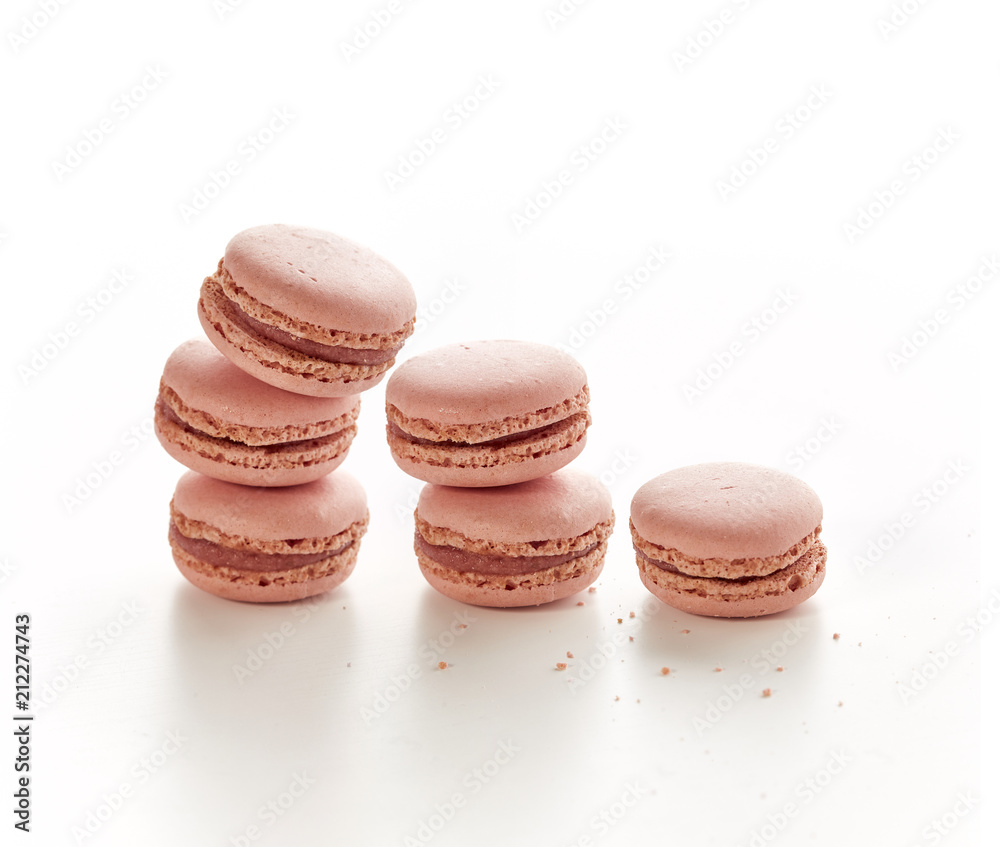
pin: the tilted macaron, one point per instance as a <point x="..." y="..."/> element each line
<point x="214" y="418"/>
<point x="514" y="545"/>
<point x="487" y="413"/>
<point x="267" y="545"/>
<point x="729" y="539"/>
<point x="306" y="310"/>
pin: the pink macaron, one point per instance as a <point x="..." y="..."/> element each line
<point x="729" y="539"/>
<point x="218" y="420"/>
<point x="306" y="310"/>
<point x="267" y="545"/>
<point x="487" y="413"/>
<point x="514" y="545"/>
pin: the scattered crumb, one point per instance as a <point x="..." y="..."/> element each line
<point x="664" y="671"/>
<point x="617" y="698"/>
<point x="631" y="614"/>
<point x="631" y="638"/>
<point x="560" y="666"/>
<point x="637" y="700"/>
<point x="766" y="692"/>
<point x="836" y="636"/>
<point x="619" y="620"/>
<point x="685" y="631"/>
<point x="348" y="664"/>
<point x="840" y="703"/>
<point x="442" y="666"/>
<point x="463" y="626"/>
<point x="580" y="603"/>
<point x="592" y="590"/>
<point x="569" y="655"/>
<point x="717" y="670"/>
<point x="859" y="644"/>
<point x="780" y="668"/>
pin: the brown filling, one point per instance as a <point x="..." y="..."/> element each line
<point x="324" y="352"/>
<point x="527" y="435"/>
<point x="284" y="446"/>
<point x="243" y="560"/>
<point x="741" y="580"/>
<point x="465" y="562"/>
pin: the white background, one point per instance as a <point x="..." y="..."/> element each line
<point x="126" y="653"/>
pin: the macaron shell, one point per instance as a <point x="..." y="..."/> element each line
<point x="283" y="368"/>
<point x="565" y="504"/>
<point x="726" y="510"/>
<point x="482" y="381"/>
<point x="505" y="473"/>
<point x="318" y="509"/>
<point x="322" y="278"/>
<point x="209" y="382"/>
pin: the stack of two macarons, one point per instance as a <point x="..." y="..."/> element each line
<point x="301" y="322"/>
<point x="491" y="426"/>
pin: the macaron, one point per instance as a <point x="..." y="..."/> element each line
<point x="306" y="310"/>
<point x="514" y="545"/>
<point x="487" y="413"/>
<point x="218" y="420"/>
<point x="729" y="539"/>
<point x="267" y="545"/>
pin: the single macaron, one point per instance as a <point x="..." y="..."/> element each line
<point x="218" y="420"/>
<point x="729" y="539"/>
<point x="306" y="310"/>
<point x="267" y="545"/>
<point x="487" y="413"/>
<point x="514" y="545"/>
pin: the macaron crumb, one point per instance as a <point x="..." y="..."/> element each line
<point x="631" y="614"/>
<point x="780" y="668"/>
<point x="560" y="666"/>
<point x="766" y="692"/>
<point x="580" y="603"/>
<point x="620" y="620"/>
<point x="592" y="589"/>
<point x="442" y="666"/>
<point x="569" y="655"/>
<point x="664" y="671"/>
<point x="717" y="670"/>
<point x="685" y="632"/>
<point x="836" y="636"/>
<point x="631" y="638"/>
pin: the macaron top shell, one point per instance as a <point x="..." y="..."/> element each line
<point x="208" y="382"/>
<point x="484" y="381"/>
<point x="321" y="278"/>
<point x="565" y="504"/>
<point x="726" y="510"/>
<point x="317" y="509"/>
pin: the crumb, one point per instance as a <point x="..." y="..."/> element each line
<point x="617" y="698"/>
<point x="631" y="614"/>
<point x="631" y="638"/>
<point x="580" y="603"/>
<point x="560" y="666"/>
<point x="619" y="620"/>
<point x="664" y="671"/>
<point x="859" y="644"/>
<point x="463" y="626"/>
<point x="685" y="631"/>
<point x="840" y="703"/>
<point x="592" y="590"/>
<point x="836" y="636"/>
<point x="637" y="700"/>
<point x="348" y="664"/>
<point x="569" y="655"/>
<point x="780" y="668"/>
<point x="718" y="670"/>
<point x="442" y="665"/>
<point x="766" y="692"/>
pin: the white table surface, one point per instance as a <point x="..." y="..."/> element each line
<point x="164" y="716"/>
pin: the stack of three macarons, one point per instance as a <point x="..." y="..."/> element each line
<point x="490" y="426"/>
<point x="301" y="322"/>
